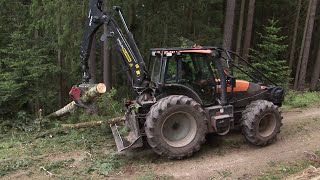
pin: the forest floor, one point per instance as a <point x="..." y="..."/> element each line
<point x="91" y="154"/>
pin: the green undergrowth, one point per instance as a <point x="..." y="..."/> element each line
<point x="279" y="171"/>
<point x="20" y="150"/>
<point x="104" y="164"/>
<point x="10" y="165"/>
<point x="301" y="100"/>
<point x="57" y="166"/>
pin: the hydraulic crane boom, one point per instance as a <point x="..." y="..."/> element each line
<point x="131" y="59"/>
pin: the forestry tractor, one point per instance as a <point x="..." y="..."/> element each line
<point x="188" y="93"/>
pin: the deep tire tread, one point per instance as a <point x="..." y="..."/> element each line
<point x="251" y="114"/>
<point x="154" y="114"/>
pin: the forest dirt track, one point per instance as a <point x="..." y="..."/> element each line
<point x="300" y="134"/>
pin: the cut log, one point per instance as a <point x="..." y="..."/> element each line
<point x="63" y="111"/>
<point x="93" y="92"/>
<point x="89" y="95"/>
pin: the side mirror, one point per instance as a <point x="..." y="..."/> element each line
<point x="232" y="81"/>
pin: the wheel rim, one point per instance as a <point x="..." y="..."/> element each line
<point x="179" y="129"/>
<point x="267" y="125"/>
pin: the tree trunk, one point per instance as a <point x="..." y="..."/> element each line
<point x="239" y="34"/>
<point x="107" y="64"/>
<point x="302" y="47"/>
<point x="60" y="99"/>
<point x="190" y="19"/>
<point x="316" y="71"/>
<point x="306" y="51"/>
<point x="247" y="37"/>
<point x="60" y="79"/>
<point x="228" y="24"/>
<point x="293" y="46"/>
<point x="93" y="61"/>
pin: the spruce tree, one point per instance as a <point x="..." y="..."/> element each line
<point x="269" y="55"/>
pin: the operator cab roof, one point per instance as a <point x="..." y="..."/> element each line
<point x="173" y="50"/>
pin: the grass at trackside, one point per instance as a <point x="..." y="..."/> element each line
<point x="282" y="170"/>
<point x="56" y="154"/>
<point x="301" y="100"/>
<point x="22" y="151"/>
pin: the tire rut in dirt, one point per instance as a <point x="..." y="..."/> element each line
<point x="176" y="127"/>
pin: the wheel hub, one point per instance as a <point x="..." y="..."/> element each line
<point x="179" y="129"/>
<point x="267" y="125"/>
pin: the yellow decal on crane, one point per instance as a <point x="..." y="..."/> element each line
<point x="125" y="52"/>
<point x="130" y="64"/>
<point x="137" y="66"/>
<point x="138" y="72"/>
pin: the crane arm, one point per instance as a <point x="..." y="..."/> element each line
<point x="131" y="59"/>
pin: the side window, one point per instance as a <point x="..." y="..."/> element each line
<point x="187" y="68"/>
<point x="171" y="75"/>
<point x="156" y="65"/>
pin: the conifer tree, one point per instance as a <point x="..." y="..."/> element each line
<point x="270" y="53"/>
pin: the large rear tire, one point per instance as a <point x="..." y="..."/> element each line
<point x="261" y="122"/>
<point x="176" y="126"/>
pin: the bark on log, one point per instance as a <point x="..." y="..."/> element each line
<point x="63" y="111"/>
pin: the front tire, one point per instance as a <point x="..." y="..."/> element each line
<point x="261" y="122"/>
<point x="176" y="126"/>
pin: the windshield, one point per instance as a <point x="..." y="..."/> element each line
<point x="155" y="71"/>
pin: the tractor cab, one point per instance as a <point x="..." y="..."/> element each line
<point x="183" y="68"/>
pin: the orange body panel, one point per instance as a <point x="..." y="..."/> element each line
<point x="241" y="86"/>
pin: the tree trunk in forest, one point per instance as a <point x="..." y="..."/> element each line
<point x="247" y="37"/>
<point x="60" y="98"/>
<point x="296" y="25"/>
<point x="228" y="25"/>
<point x="107" y="63"/>
<point x="239" y="34"/>
<point x="93" y="61"/>
<point x="316" y="71"/>
<point x="302" y="47"/>
<point x="306" y="51"/>
<point x="132" y="14"/>
<point x="190" y="19"/>
<point x="37" y="101"/>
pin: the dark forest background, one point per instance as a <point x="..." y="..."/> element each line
<point x="40" y="40"/>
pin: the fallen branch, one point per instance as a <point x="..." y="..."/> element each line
<point x="65" y="127"/>
<point x="48" y="172"/>
<point x="82" y="125"/>
<point x="93" y="123"/>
